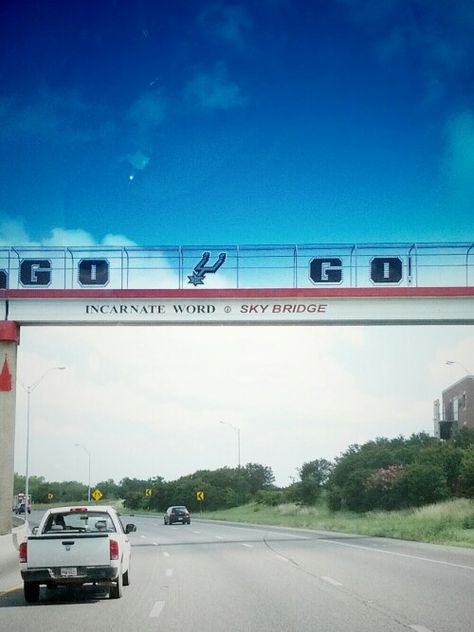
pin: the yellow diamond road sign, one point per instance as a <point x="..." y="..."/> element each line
<point x="97" y="494"/>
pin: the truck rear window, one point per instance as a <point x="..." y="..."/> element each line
<point x="84" y="522"/>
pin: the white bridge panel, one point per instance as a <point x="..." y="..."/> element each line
<point x="254" y="311"/>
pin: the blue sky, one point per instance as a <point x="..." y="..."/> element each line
<point x="208" y="123"/>
<point x="238" y="122"/>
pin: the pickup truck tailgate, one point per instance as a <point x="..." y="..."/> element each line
<point x="48" y="551"/>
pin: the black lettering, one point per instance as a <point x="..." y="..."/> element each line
<point x="93" y="272"/>
<point x="386" y="270"/>
<point x="34" y="272"/>
<point x="325" y="270"/>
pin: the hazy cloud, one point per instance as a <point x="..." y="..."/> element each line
<point x="228" y="23"/>
<point x="437" y="36"/>
<point x="55" y="116"/>
<point x="214" y="90"/>
<point x="459" y="160"/>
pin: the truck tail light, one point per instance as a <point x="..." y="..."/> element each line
<point x="114" y="550"/>
<point x="23" y="551"/>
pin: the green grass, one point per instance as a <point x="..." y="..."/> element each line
<point x="451" y="522"/>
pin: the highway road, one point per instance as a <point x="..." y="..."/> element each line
<point x="217" y="577"/>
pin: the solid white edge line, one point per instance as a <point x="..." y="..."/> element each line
<point x="420" y="628"/>
<point x="249" y="546"/>
<point x="412" y="557"/>
<point x="166" y="554"/>
<point x="169" y="572"/>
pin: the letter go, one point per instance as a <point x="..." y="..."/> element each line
<point x="386" y="270"/>
<point x="93" y="272"/>
<point x="325" y="270"/>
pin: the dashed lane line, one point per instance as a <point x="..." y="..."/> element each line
<point x="330" y="580"/>
<point x="157" y="609"/>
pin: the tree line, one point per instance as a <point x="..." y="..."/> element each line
<point x="381" y="474"/>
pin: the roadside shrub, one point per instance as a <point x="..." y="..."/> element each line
<point x="421" y="484"/>
<point x="270" y="498"/>
<point x="466" y="474"/>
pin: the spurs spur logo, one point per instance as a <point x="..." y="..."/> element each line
<point x="201" y="269"/>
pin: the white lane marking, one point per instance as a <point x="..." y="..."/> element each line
<point x="330" y="580"/>
<point x="155" y="543"/>
<point x="143" y="537"/>
<point x="166" y="554"/>
<point x="169" y="572"/>
<point x="290" y="535"/>
<point x="249" y="546"/>
<point x="219" y="537"/>
<point x="197" y="532"/>
<point x="419" y="628"/>
<point x="157" y="609"/>
<point x="280" y="557"/>
<point x="412" y="557"/>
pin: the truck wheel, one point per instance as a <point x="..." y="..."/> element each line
<point x="116" y="590"/>
<point x="31" y="591"/>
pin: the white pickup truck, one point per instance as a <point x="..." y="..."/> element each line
<point x="76" y="545"/>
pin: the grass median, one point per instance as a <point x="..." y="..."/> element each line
<point x="450" y="523"/>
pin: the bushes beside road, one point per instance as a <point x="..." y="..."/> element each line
<point x="450" y="522"/>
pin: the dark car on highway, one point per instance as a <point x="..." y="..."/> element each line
<point x="177" y="513"/>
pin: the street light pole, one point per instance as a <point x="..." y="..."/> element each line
<point x="79" y="445"/>
<point x="29" y="389"/>
<point x="237" y="430"/>
<point x="461" y="365"/>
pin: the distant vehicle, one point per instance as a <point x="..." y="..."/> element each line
<point x="177" y="513"/>
<point x="19" y="503"/>
<point x="76" y="545"/>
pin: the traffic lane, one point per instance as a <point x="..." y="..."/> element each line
<point x="416" y="582"/>
<point x="156" y="532"/>
<point x="390" y="583"/>
<point x="247" y="587"/>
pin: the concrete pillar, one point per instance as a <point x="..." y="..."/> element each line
<point x="9" y="340"/>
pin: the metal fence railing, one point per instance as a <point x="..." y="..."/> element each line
<point x="264" y="266"/>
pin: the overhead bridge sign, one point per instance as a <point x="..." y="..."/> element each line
<point x="259" y="307"/>
<point x="314" y="284"/>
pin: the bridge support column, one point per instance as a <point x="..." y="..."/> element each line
<point x="9" y="340"/>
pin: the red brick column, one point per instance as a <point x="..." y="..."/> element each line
<point x="9" y="340"/>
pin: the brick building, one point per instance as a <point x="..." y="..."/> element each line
<point x="457" y="408"/>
